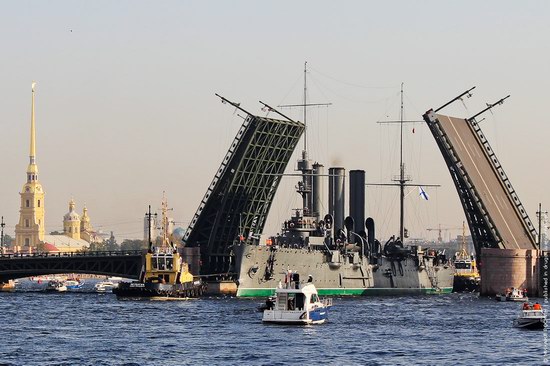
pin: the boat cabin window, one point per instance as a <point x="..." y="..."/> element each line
<point x="296" y="301"/>
<point x="463" y="265"/>
<point x="314" y="298"/>
<point x="162" y="262"/>
<point x="291" y="303"/>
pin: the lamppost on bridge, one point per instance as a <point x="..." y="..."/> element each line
<point x="2" y="224"/>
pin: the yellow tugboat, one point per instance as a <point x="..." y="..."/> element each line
<point x="466" y="277"/>
<point x="165" y="275"/>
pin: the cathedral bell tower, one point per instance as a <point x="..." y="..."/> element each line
<point x="30" y="230"/>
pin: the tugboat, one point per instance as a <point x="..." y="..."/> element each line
<point x="165" y="275"/>
<point x="531" y="317"/>
<point x="513" y="294"/>
<point x="466" y="277"/>
<point x="296" y="303"/>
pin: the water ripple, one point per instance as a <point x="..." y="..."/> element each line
<point x="85" y="328"/>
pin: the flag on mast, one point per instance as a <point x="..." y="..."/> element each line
<point x="423" y="194"/>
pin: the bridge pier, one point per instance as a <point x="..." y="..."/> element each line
<point x="506" y="268"/>
<point x="217" y="288"/>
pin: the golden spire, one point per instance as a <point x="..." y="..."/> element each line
<point x="33" y="144"/>
<point x="32" y="169"/>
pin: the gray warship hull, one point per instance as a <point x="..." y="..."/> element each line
<point x="335" y="273"/>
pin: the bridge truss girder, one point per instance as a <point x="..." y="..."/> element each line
<point x="123" y="265"/>
<point x="485" y="233"/>
<point x="238" y="200"/>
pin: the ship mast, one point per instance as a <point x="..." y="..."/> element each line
<point x="165" y="222"/>
<point x="463" y="250"/>
<point x="402" y="179"/>
<point x="149" y="216"/>
<point x="305" y="106"/>
<point x="304" y="164"/>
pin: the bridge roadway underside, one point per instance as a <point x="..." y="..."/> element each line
<point x="483" y="176"/>
<point x="127" y="265"/>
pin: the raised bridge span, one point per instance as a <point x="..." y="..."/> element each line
<point x="495" y="215"/>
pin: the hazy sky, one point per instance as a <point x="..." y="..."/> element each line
<point x="125" y="105"/>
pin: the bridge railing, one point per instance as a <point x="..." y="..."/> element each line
<point x="72" y="254"/>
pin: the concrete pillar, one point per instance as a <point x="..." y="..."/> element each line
<point x="504" y="268"/>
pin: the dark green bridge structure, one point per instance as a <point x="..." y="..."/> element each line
<point x="127" y="264"/>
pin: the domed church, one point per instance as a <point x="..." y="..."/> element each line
<point x="30" y="231"/>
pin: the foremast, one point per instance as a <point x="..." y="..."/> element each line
<point x="308" y="216"/>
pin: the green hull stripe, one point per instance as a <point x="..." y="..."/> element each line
<point x="264" y="292"/>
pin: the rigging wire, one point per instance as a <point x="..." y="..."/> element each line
<point x="353" y="100"/>
<point x="350" y="84"/>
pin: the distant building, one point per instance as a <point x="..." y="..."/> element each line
<point x="71" y="222"/>
<point x="30" y="232"/>
<point x="77" y="234"/>
<point x="63" y="243"/>
<point x="87" y="232"/>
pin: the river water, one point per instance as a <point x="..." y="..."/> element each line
<point x="86" y="328"/>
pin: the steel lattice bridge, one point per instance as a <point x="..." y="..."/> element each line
<point x="127" y="264"/>
<point x="237" y="202"/>
<point x="496" y="216"/>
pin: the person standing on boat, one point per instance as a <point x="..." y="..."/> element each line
<point x="537" y="306"/>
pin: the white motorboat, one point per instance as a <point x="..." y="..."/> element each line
<point x="105" y="286"/>
<point x="56" y="285"/>
<point x="513" y="294"/>
<point x="74" y="283"/>
<point x="296" y="303"/>
<point x="531" y="319"/>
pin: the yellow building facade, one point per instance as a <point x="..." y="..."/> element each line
<point x="29" y="232"/>
<point x="71" y="222"/>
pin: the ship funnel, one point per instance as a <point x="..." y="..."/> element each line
<point x="357" y="199"/>
<point x="318" y="190"/>
<point x="336" y="196"/>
